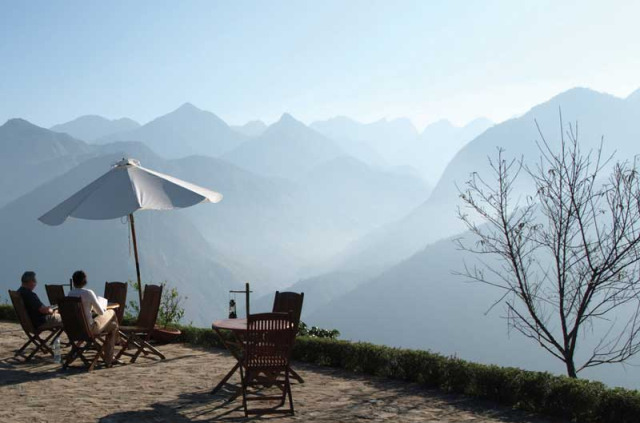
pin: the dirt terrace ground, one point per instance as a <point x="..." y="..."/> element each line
<point x="177" y="390"/>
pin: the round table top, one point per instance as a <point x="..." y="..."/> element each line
<point x="237" y="325"/>
<point x="113" y="306"/>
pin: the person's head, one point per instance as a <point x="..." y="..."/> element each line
<point x="79" y="279"/>
<point x="29" y="279"/>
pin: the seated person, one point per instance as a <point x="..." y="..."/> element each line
<point x="105" y="321"/>
<point x="42" y="317"/>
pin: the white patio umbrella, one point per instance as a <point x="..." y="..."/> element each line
<point x="126" y="188"/>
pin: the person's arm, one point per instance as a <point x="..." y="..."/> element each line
<point x="42" y="309"/>
<point x="45" y="310"/>
<point x="95" y="304"/>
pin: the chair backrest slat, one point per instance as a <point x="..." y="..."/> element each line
<point x="21" y="312"/>
<point x="54" y="293"/>
<point x="150" y="306"/>
<point x="285" y="302"/>
<point x="269" y="340"/>
<point x="116" y="292"/>
<point x="74" y="320"/>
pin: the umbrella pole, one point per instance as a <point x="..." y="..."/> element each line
<point x="135" y="253"/>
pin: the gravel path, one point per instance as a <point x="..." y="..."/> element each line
<point x="177" y="390"/>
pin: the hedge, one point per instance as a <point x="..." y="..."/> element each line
<point x="7" y="313"/>
<point x="577" y="400"/>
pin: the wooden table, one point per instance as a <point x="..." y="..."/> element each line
<point x="113" y="306"/>
<point x="235" y="325"/>
<point x="238" y="327"/>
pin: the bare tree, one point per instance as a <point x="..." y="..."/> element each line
<point x="568" y="254"/>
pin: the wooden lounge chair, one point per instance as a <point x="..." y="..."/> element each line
<point x="285" y="302"/>
<point x="42" y="345"/>
<point x="54" y="293"/>
<point x="116" y="292"/>
<point x="79" y="332"/>
<point x="138" y="336"/>
<point x="267" y="351"/>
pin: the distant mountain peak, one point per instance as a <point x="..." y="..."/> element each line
<point x="188" y="107"/>
<point x="92" y="127"/>
<point x="579" y="93"/>
<point x="185" y="131"/>
<point x="287" y="122"/>
<point x="19" y="123"/>
<point x="287" y="117"/>
<point x="634" y="96"/>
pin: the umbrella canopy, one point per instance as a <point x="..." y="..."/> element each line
<point x="126" y="188"/>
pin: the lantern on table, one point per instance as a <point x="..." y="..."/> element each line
<point x="232" y="309"/>
<point x="233" y="314"/>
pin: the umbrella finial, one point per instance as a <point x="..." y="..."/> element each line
<point x="127" y="162"/>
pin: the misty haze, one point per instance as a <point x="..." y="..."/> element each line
<point x="358" y="150"/>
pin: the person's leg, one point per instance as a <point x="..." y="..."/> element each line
<point x="101" y="322"/>
<point x="107" y="323"/>
<point x="52" y="321"/>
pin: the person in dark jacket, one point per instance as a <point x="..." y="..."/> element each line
<point x="42" y="316"/>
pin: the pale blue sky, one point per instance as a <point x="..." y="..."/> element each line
<point x="244" y="60"/>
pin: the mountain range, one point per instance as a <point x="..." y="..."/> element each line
<point x="404" y="272"/>
<point x="185" y="131"/>
<point x="30" y="156"/>
<point x="286" y="149"/>
<point x="92" y="127"/>
<point x="342" y="210"/>
<point x="398" y="143"/>
<point x="269" y="228"/>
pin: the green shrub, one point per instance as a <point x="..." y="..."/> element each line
<point x="171" y="309"/>
<point x="576" y="400"/>
<point x="7" y="313"/>
<point x="314" y="331"/>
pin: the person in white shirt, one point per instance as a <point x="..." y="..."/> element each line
<point x="105" y="320"/>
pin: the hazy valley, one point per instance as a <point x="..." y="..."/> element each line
<point x="358" y="216"/>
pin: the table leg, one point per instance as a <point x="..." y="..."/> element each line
<point x="225" y="379"/>
<point x="235" y="354"/>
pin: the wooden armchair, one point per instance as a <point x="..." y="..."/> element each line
<point x="33" y="333"/>
<point x="268" y="344"/>
<point x="139" y="335"/>
<point x="116" y="292"/>
<point x="290" y="302"/>
<point x="79" y="332"/>
<point x="54" y="293"/>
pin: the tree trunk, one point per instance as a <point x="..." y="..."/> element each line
<point x="571" y="368"/>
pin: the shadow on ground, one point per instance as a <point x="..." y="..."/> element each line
<point x="201" y="406"/>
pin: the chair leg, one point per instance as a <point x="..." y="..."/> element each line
<point x="24" y="347"/>
<point x="139" y="344"/>
<point x="128" y="339"/>
<point x="288" y="387"/>
<point x="142" y="347"/>
<point x="39" y="345"/>
<point x="243" y="381"/>
<point x="295" y="375"/>
<point x="137" y="354"/>
<point x="101" y="351"/>
<point x="154" y="350"/>
<point x="73" y="354"/>
<point x="58" y="334"/>
<point x="46" y="341"/>
<point x="96" y="358"/>
<point x="225" y="379"/>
